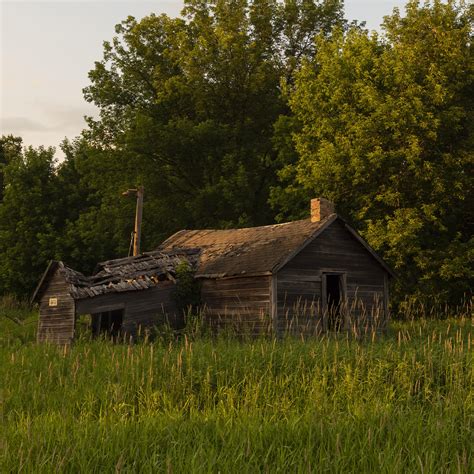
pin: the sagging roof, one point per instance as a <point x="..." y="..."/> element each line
<point x="248" y="251"/>
<point x="254" y="250"/>
<point x="124" y="274"/>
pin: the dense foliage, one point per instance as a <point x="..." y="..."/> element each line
<point x="187" y="291"/>
<point x="30" y="214"/>
<point x="384" y="127"/>
<point x="234" y="115"/>
<point x="187" y="106"/>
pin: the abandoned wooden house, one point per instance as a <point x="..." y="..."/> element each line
<point x="308" y="276"/>
<point x="121" y="296"/>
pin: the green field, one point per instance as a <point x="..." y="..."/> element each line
<point x="402" y="402"/>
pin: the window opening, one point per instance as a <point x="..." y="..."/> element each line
<point x="108" y="323"/>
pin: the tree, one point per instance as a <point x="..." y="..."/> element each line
<point x="99" y="219"/>
<point x="10" y="147"/>
<point x="187" y="106"/>
<point x="28" y="219"/>
<point x="385" y="129"/>
<point x="186" y="109"/>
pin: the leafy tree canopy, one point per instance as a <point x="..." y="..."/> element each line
<point x="29" y="216"/>
<point x="234" y="104"/>
<point x="383" y="126"/>
<point x="186" y="109"/>
<point x="187" y="106"/>
<point x="10" y="147"/>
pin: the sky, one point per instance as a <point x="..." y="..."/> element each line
<point x="48" y="48"/>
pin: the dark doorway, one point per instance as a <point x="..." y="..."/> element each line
<point x="108" y="323"/>
<point x="334" y="299"/>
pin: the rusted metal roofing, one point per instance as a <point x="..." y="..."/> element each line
<point x="248" y="251"/>
<point x="124" y="274"/>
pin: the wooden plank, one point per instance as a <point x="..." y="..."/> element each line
<point x="244" y="306"/>
<point x="370" y="250"/>
<point x="274" y="302"/>
<point x="298" y="251"/>
<point x="237" y="302"/>
<point x="56" y="323"/>
<point x="298" y="273"/>
<point x="386" y="299"/>
<point x="324" y="303"/>
<point x="237" y="283"/>
<point x="236" y="294"/>
<point x="284" y="279"/>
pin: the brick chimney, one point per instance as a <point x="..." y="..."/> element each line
<point x="321" y="208"/>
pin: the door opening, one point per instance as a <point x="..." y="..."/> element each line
<point x="334" y="300"/>
<point x="108" y="323"/>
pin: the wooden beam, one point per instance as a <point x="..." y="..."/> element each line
<point x="344" y="301"/>
<point x="324" y="301"/>
<point x="386" y="297"/>
<point x="52" y="265"/>
<point x="274" y="303"/>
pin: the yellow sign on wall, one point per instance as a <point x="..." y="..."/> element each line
<point x="53" y="302"/>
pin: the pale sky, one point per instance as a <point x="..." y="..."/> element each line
<point x="47" y="49"/>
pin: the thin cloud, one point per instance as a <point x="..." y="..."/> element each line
<point x="65" y="117"/>
<point x="56" y="118"/>
<point x="21" y="124"/>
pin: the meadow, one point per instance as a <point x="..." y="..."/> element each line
<point x="398" y="402"/>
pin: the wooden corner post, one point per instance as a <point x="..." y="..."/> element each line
<point x="274" y="303"/>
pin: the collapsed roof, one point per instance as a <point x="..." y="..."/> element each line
<point x="124" y="274"/>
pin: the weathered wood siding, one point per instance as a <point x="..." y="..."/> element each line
<point x="299" y="282"/>
<point x="56" y="323"/>
<point x="299" y="301"/>
<point x="141" y="308"/>
<point x="239" y="304"/>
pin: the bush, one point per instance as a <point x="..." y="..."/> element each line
<point x="187" y="293"/>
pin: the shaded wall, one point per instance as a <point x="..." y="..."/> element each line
<point x="300" y="294"/>
<point x="241" y="304"/>
<point x="143" y="308"/>
<point x="56" y="323"/>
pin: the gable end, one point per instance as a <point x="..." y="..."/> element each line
<point x="353" y="234"/>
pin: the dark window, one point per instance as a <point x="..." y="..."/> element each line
<point x="108" y="323"/>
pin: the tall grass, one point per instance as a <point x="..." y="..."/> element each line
<point x="18" y="322"/>
<point x="398" y="402"/>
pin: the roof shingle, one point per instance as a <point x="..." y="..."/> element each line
<point x="248" y="251"/>
<point x="124" y="274"/>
